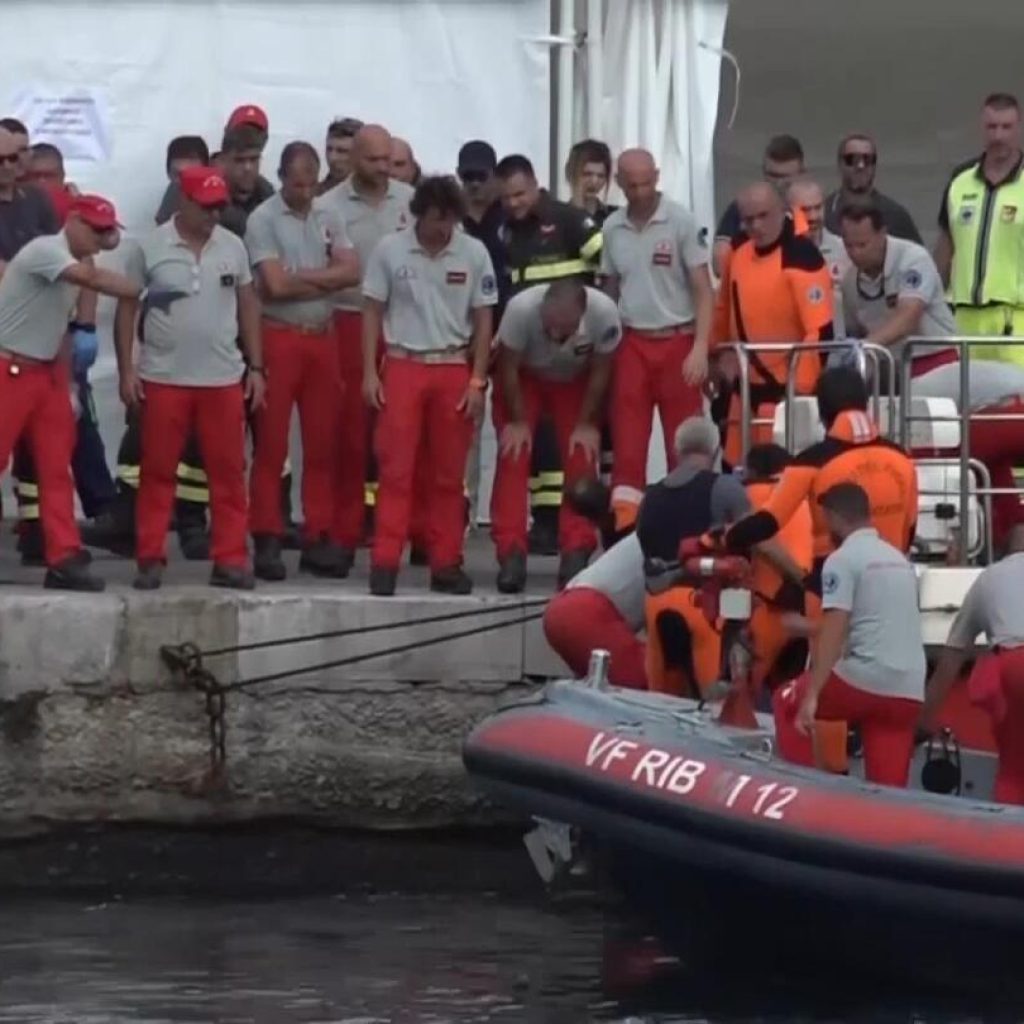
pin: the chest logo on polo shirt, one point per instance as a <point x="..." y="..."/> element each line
<point x="966" y="214"/>
<point x="456" y="277"/>
<point x="662" y="254"/>
<point x="1008" y="214"/>
<point x="405" y="273"/>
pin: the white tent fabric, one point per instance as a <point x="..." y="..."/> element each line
<point x="437" y="73"/>
<point x="649" y="77"/>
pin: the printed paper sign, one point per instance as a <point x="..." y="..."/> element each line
<point x="75" y="120"/>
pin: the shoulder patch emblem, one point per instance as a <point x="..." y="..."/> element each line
<point x="488" y="285"/>
<point x="815" y="295"/>
<point x="702" y="238"/>
<point x="912" y="278"/>
<point x="829" y="583"/>
<point x="611" y="333"/>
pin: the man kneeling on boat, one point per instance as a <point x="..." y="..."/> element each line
<point x="868" y="666"/>
<point x="684" y="647"/>
<point x="993" y="606"/>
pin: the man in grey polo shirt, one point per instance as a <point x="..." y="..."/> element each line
<point x="555" y="347"/>
<point x="655" y="263"/>
<point x="372" y="205"/>
<point x="893" y="290"/>
<point x="431" y="290"/>
<point x="992" y="607"/>
<point x="38" y="291"/>
<point x="868" y="666"/>
<point x="301" y="255"/>
<point x="190" y="373"/>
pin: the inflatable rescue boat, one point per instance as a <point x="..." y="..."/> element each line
<point x="734" y="852"/>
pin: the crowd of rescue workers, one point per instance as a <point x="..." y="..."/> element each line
<point x="383" y="304"/>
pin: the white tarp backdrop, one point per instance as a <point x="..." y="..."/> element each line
<point x="436" y="73"/>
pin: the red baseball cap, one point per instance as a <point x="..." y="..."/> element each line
<point x="249" y="114"/>
<point x="97" y="212"/>
<point x="203" y="185"/>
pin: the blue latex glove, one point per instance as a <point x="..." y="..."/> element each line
<point x="84" y="349"/>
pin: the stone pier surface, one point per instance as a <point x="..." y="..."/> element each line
<point x="95" y="728"/>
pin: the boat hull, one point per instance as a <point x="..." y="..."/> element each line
<point x="730" y="850"/>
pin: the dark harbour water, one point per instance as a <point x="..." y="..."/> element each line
<point x="467" y="936"/>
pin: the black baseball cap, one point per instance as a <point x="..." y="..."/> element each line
<point x="477" y="156"/>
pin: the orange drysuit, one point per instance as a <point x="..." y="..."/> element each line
<point x="768" y="634"/>
<point x="783" y="295"/>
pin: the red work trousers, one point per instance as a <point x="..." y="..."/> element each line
<point x="35" y="403"/>
<point x="886" y="723"/>
<point x="562" y="401"/>
<point x="302" y="370"/>
<point x="648" y="376"/>
<point x="352" y="450"/>
<point x="170" y="413"/>
<point x="421" y="418"/>
<point x="1008" y="726"/>
<point x="580" y="619"/>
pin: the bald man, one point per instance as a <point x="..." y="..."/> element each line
<point x="775" y="288"/>
<point x="806" y="196"/>
<point x="655" y="265"/>
<point x="403" y="164"/>
<point x="372" y="205"/>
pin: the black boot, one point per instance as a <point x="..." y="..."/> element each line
<point x="73" y="574"/>
<point x="383" y="581"/>
<point x="114" y="528"/>
<point x="571" y="563"/>
<point x="324" y="559"/>
<point x="232" y="577"/>
<point x="194" y="544"/>
<point x="543" y="536"/>
<point x="149" y="576"/>
<point x="452" y="580"/>
<point x="267" y="562"/>
<point x="512" y="574"/>
<point x="30" y="543"/>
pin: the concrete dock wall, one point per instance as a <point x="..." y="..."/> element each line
<point x="93" y="726"/>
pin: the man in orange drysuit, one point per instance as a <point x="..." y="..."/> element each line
<point x="764" y="465"/>
<point x="775" y="288"/>
<point x="992" y="606"/>
<point x="683" y="646"/>
<point x="852" y="452"/>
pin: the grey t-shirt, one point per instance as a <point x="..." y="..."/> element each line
<point x="909" y="272"/>
<point x="35" y="304"/>
<point x="619" y="575"/>
<point x="876" y="584"/>
<point x="275" y="232"/>
<point x="429" y="299"/>
<point x="652" y="264"/>
<point x="522" y="331"/>
<point x="994" y="606"/>
<point x="367" y="224"/>
<point x="193" y="341"/>
<point x="990" y="383"/>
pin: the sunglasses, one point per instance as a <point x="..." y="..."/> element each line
<point x="10" y="158"/>
<point x="860" y="159"/>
